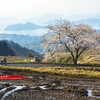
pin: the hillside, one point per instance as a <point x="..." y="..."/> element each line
<point x="5" y="50"/>
<point x="88" y="57"/>
<point x="19" y="50"/>
<point x="32" y="42"/>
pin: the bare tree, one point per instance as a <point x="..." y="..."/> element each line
<point x="67" y="37"/>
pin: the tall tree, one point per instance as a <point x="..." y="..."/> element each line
<point x="67" y="37"/>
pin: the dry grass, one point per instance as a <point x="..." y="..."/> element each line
<point x="13" y="59"/>
<point x="87" y="57"/>
<point x="77" y="72"/>
<point x="96" y="93"/>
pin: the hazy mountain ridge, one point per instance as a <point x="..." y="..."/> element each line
<point x="92" y="22"/>
<point x="20" y="27"/>
<point x="19" y="50"/>
<point x="32" y="42"/>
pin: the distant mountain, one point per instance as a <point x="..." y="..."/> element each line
<point x="32" y="42"/>
<point x="19" y="50"/>
<point x="92" y="22"/>
<point x="20" y="27"/>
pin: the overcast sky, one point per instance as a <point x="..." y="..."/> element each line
<point x="33" y="8"/>
<point x="41" y="11"/>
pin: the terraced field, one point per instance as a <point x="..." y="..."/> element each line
<point x="46" y="86"/>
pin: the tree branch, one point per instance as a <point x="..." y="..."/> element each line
<point x="67" y="48"/>
<point x="82" y="51"/>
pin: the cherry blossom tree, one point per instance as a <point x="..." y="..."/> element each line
<point x="67" y="37"/>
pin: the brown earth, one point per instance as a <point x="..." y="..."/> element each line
<point x="57" y="87"/>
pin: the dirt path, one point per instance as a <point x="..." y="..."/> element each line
<point x="36" y="65"/>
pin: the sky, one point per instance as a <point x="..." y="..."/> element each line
<point x="33" y="8"/>
<point x="39" y="11"/>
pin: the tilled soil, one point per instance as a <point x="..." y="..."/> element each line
<point x="44" y="86"/>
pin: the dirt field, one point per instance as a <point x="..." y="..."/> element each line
<point x="37" y="65"/>
<point x="31" y="65"/>
<point x="44" y="86"/>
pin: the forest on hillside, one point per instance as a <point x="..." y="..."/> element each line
<point x="5" y="50"/>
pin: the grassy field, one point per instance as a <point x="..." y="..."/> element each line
<point x="75" y="72"/>
<point x="88" y="57"/>
<point x="13" y="59"/>
<point x="85" y="58"/>
<point x="68" y="82"/>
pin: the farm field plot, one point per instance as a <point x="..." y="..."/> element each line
<point x="48" y="86"/>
